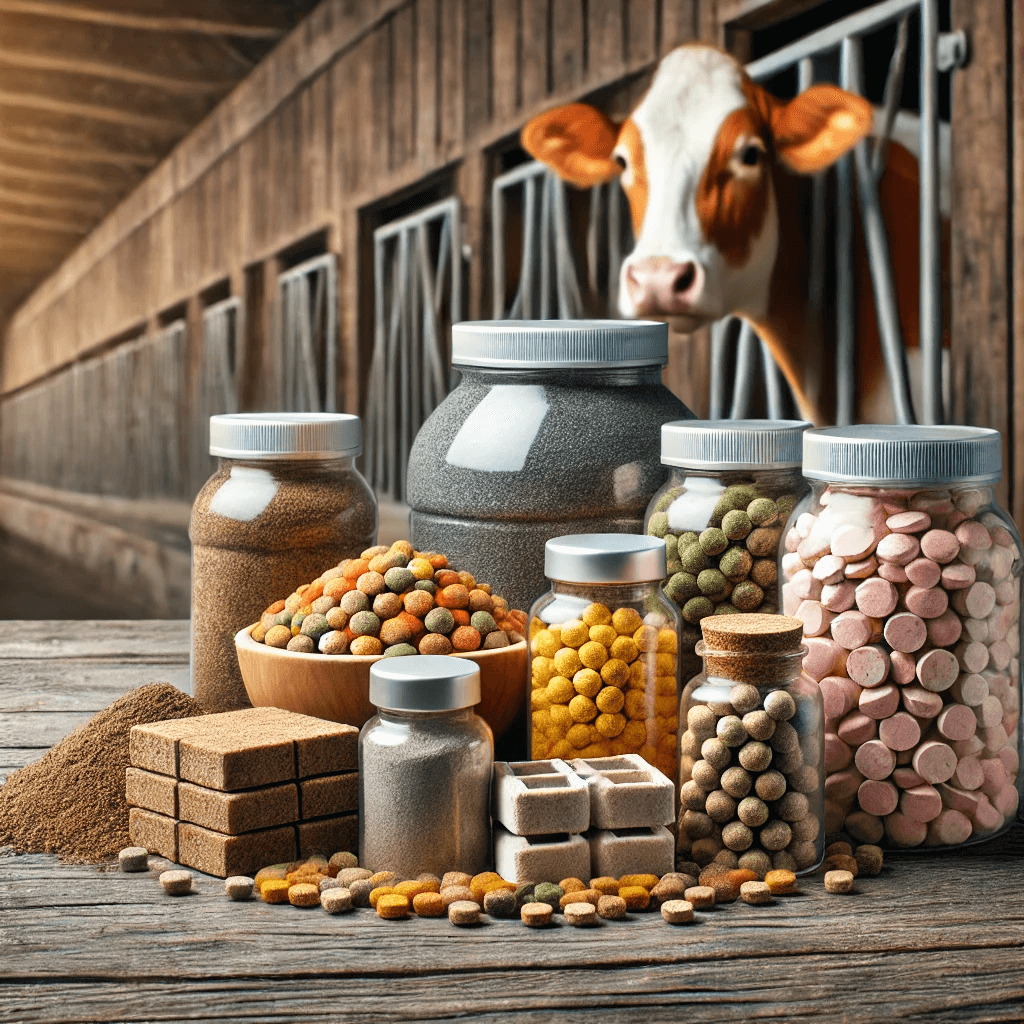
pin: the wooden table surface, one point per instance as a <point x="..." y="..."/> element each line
<point x="936" y="938"/>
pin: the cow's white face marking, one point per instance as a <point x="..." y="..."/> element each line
<point x="677" y="138"/>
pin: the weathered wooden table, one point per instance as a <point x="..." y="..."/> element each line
<point x="935" y="938"/>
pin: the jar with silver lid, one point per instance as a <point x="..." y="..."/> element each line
<point x="906" y="575"/>
<point x="604" y="677"/>
<point x="733" y="485"/>
<point x="425" y="765"/>
<point x="553" y="430"/>
<point x="285" y="504"/>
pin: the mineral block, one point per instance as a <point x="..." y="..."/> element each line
<point x="626" y="792"/>
<point x="235" y="813"/>
<point x="217" y="854"/>
<point x="540" y="798"/>
<point x="327" y="834"/>
<point x="631" y="851"/>
<point x="329" y="795"/>
<point x="545" y="858"/>
<point x="151" y="791"/>
<point x="155" y="832"/>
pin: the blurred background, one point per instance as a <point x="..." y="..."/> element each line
<point x="221" y="205"/>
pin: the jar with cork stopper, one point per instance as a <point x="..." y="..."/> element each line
<point x="751" y="758"/>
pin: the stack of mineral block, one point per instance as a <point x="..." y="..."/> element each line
<point x="587" y="818"/>
<point x="229" y="793"/>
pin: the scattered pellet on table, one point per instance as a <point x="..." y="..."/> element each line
<point x="454" y="893"/>
<point x="548" y="892"/>
<point x="536" y="915"/>
<point x="671" y="887"/>
<point x="611" y="908"/>
<point x="463" y="912"/>
<point x="336" y="901"/>
<point x="869" y="859"/>
<point x="636" y="897"/>
<point x="580" y="914"/>
<point x="677" y="911"/>
<point x="329" y="883"/>
<point x="500" y="903"/>
<point x="305" y="894"/>
<point x="701" y="896"/>
<point x="133" y="858"/>
<point x="428" y="904"/>
<point x="780" y="881"/>
<point x="239" y="887"/>
<point x="341" y="861"/>
<point x="841" y="862"/>
<point x="757" y="894"/>
<point x="176" y="883"/>
<point x="360" y="890"/>
<point x="451" y="878"/>
<point x="392" y="906"/>
<point x="838" y="881"/>
<point x="274" y="890"/>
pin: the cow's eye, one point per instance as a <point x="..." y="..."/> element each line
<point x="620" y="160"/>
<point x="751" y="155"/>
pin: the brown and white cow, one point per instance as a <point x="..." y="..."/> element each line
<point x="710" y="163"/>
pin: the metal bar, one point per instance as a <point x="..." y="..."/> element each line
<point x="930" y="306"/>
<point x="719" y="341"/>
<point x="307" y="303"/>
<point x="533" y="169"/>
<point x="531" y="240"/>
<point x="846" y="311"/>
<point x="497" y="251"/>
<point x="570" y="301"/>
<point x="817" y="262"/>
<point x="879" y="263"/>
<point x="746" y="358"/>
<point x="772" y="383"/>
<point x="331" y="354"/>
<point x="830" y="37"/>
<point x="616" y="200"/>
<point x="593" y="230"/>
<point x="545" y="246"/>
<point x="891" y="98"/>
<point x="393" y="228"/>
<point x="302" y="269"/>
<point x="374" y="405"/>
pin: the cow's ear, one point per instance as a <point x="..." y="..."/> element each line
<point x="819" y="126"/>
<point x="576" y="141"/>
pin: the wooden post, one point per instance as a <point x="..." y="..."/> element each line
<point x="980" y="229"/>
<point x="471" y="184"/>
<point x="1015" y="443"/>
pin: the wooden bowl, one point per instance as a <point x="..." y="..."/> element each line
<point x="337" y="686"/>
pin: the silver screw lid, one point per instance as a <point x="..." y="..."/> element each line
<point x="554" y="344"/>
<point x="899" y="454"/>
<point x="286" y="435"/>
<point x="733" y="444"/>
<point x="424" y="682"/>
<point x="605" y="558"/>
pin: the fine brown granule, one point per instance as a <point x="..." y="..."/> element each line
<point x="72" y="802"/>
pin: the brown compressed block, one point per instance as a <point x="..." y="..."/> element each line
<point x="151" y="791"/>
<point x="330" y="794"/>
<point x="155" y="746"/>
<point x="328" y="835"/>
<point x="221" y="855"/>
<point x="153" y="832"/>
<point x="235" y="813"/>
<point x="322" y="747"/>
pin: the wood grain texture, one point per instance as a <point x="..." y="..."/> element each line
<point x="505" y="58"/>
<point x="1016" y="470"/>
<point x="981" y="310"/>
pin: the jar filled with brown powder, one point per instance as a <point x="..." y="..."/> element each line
<point x="285" y="504"/>
<point x="752" y="756"/>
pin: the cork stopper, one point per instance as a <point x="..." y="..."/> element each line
<point x="753" y="634"/>
<point x="761" y="649"/>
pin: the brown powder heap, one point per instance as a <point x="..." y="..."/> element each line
<point x="72" y="801"/>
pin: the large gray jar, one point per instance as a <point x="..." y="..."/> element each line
<point x="554" y="429"/>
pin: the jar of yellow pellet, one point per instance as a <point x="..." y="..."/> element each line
<point x="604" y="647"/>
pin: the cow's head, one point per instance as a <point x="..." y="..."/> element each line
<point x="696" y="159"/>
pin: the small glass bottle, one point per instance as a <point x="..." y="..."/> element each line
<point x="748" y="471"/>
<point x="751" y="761"/>
<point x="604" y="647"/>
<point x="907" y="574"/>
<point x="285" y="504"/>
<point x="425" y="765"/>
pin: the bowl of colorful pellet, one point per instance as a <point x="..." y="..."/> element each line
<point x="311" y="652"/>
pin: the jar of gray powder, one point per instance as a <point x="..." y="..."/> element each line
<point x="553" y="430"/>
<point x="425" y="762"/>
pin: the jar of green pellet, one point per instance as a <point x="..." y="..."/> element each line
<point x="732" y="487"/>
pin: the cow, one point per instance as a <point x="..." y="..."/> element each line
<point x="714" y="171"/>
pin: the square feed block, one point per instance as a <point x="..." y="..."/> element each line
<point x="631" y="851"/>
<point x="540" y="798"/>
<point x="548" y="858"/>
<point x="153" y="832"/>
<point x="627" y="792"/>
<point x="153" y="792"/>
<point x="329" y="835"/>
<point x="235" y="813"/>
<point x="217" y="854"/>
<point x="329" y="794"/>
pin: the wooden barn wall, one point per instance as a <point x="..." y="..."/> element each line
<point x="367" y="100"/>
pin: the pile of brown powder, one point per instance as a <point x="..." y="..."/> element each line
<point x="72" y="801"/>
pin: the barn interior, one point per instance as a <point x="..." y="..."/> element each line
<point x="227" y="205"/>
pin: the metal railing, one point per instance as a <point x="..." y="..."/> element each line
<point x="217" y="384"/>
<point x="306" y="331"/>
<point x="417" y="296"/>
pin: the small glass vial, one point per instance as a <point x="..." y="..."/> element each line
<point x="604" y="647"/>
<point x="751" y="759"/>
<point x="425" y="764"/>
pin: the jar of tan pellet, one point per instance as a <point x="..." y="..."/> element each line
<point x="285" y="504"/>
<point x="732" y="487"/>
<point x="751" y="754"/>
<point x="604" y="644"/>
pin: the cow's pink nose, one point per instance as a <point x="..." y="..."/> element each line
<point x="660" y="285"/>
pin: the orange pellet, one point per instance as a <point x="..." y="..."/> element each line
<point x="274" y="890"/>
<point x="438" y="561"/>
<point x="446" y="578"/>
<point x="636" y="897"/>
<point x="391" y="905"/>
<point x="428" y="904"/>
<point x="461" y="616"/>
<point x="605" y="885"/>
<point x="780" y="881"/>
<point x="647" y="881"/>
<point x="571" y="885"/>
<point x="466" y="638"/>
<point x="418" y="603"/>
<point x="394" y="631"/>
<point x="277" y="606"/>
<point x="499" y="884"/>
<point x="477" y="883"/>
<point x="304" y="895"/>
<point x="468" y="580"/>
<point x="364" y="645"/>
<point x="740" y="875"/>
<point x="384" y="878"/>
<point x="315" y="590"/>
<point x="383" y="890"/>
<point x="413" y="889"/>
<point x="355" y="568"/>
<point x="338" y="587"/>
<point x="454" y="596"/>
<point x="414" y="624"/>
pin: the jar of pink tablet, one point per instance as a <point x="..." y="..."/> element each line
<point x="906" y="575"/>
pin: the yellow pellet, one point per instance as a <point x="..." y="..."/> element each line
<point x="392" y="906"/>
<point x="567" y="662"/>
<point x="593" y="654"/>
<point x="587" y="682"/>
<point x="668" y="641"/>
<point x="545" y="644"/>
<point x="610" y="700"/>
<point x="574" y="633"/>
<point x="381" y="890"/>
<point x="610" y="726"/>
<point x="615" y="672"/>
<point x="604" y="635"/>
<point x="647" y="881"/>
<point x="626" y="621"/>
<point x="582" y="709"/>
<point x="274" y="890"/>
<point x="560" y="690"/>
<point x="578" y="736"/>
<point x="624" y="648"/>
<point x="597" y="615"/>
<point x="636" y="897"/>
<point x="542" y="670"/>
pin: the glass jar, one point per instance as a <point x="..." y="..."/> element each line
<point x="604" y="642"/>
<point x="748" y="471"/>
<point x="285" y="504"/>
<point x="552" y="430"/>
<point x="751" y="759"/>
<point x="425" y="765"/>
<point x="906" y="574"/>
